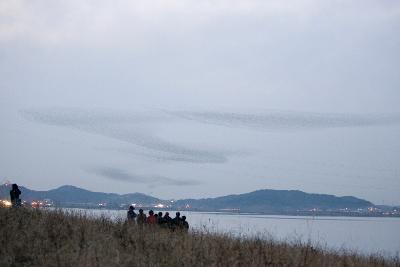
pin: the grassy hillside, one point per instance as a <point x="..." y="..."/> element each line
<point x="52" y="238"/>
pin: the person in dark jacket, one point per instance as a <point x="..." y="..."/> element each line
<point x="141" y="218"/>
<point x="14" y="196"/>
<point x="185" y="224"/>
<point x="167" y="220"/>
<point x="177" y="218"/>
<point x="176" y="222"/>
<point x="160" y="219"/>
<point x="131" y="214"/>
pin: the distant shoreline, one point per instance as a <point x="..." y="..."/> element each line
<point x="248" y="213"/>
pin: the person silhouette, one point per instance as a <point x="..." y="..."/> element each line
<point x="177" y="218"/>
<point x="176" y="222"/>
<point x="151" y="219"/>
<point x="160" y="219"/>
<point x="167" y="220"/>
<point x="14" y="196"/>
<point x="141" y="218"/>
<point x="131" y="214"/>
<point x="185" y="224"/>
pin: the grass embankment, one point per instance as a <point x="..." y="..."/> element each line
<point x="52" y="238"/>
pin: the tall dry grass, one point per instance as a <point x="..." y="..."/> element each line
<point x="53" y="238"/>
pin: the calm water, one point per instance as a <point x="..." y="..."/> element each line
<point x="364" y="235"/>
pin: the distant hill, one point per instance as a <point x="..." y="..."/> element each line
<point x="267" y="201"/>
<point x="275" y="201"/>
<point x="71" y="195"/>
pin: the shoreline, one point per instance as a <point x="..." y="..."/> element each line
<point x="300" y="214"/>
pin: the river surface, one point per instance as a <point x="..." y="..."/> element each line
<point x="364" y="235"/>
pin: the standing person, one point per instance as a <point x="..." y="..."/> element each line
<point x="167" y="220"/>
<point x="151" y="219"/>
<point x="141" y="218"/>
<point x="131" y="214"/>
<point x="14" y="196"/>
<point x="160" y="219"/>
<point x="176" y="222"/>
<point x="185" y="224"/>
<point x="177" y="219"/>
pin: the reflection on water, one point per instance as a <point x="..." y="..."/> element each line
<point x="363" y="235"/>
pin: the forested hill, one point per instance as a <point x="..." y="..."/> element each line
<point x="276" y="200"/>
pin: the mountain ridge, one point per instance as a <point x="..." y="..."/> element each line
<point x="262" y="200"/>
<point x="277" y="200"/>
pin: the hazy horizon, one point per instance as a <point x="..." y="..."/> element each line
<point x="202" y="99"/>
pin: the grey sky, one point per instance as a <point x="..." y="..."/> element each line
<point x="202" y="98"/>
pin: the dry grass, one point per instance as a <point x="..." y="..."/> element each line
<point x="44" y="238"/>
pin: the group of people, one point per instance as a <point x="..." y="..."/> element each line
<point x="177" y="223"/>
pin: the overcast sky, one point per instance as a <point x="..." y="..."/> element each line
<point x="202" y="98"/>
